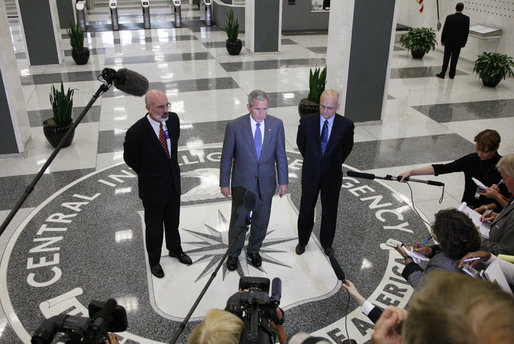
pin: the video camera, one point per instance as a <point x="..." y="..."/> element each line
<point x="255" y="307"/>
<point x="103" y="318"/>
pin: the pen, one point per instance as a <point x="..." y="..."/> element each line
<point x="425" y="242"/>
<point x="499" y="183"/>
<point x="471" y="259"/>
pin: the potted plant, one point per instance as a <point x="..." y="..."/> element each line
<point x="419" y="40"/>
<point x="79" y="53"/>
<point x="62" y="105"/>
<point x="317" y="82"/>
<point x="493" y="67"/>
<point x="233" y="44"/>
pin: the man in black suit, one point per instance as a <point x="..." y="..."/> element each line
<point x="150" y="149"/>
<point x="454" y="36"/>
<point x="325" y="141"/>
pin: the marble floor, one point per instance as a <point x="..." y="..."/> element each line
<point x="79" y="235"/>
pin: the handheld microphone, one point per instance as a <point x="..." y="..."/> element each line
<point x="337" y="269"/>
<point x="276" y="291"/>
<point x="127" y="81"/>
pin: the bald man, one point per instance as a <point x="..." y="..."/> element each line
<point x="150" y="149"/>
<point x="325" y="140"/>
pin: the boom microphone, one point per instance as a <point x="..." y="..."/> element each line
<point x="337" y="269"/>
<point x="360" y="175"/>
<point x="390" y="177"/>
<point x="127" y="81"/>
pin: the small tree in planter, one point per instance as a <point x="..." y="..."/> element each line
<point x="419" y="40"/>
<point x="62" y="106"/>
<point x="79" y="53"/>
<point x="493" y="67"/>
<point x="233" y="44"/>
<point x="317" y="82"/>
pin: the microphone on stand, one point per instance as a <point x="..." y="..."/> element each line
<point x="249" y="203"/>
<point x="126" y="81"/>
<point x="389" y="177"/>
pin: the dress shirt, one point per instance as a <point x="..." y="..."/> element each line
<point x="156" y="128"/>
<point x="254" y="127"/>
<point x="330" y="123"/>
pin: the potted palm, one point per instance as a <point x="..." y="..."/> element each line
<point x="317" y="82"/>
<point x="493" y="67"/>
<point x="419" y="40"/>
<point x="79" y="53"/>
<point x="233" y="44"/>
<point x="62" y="105"/>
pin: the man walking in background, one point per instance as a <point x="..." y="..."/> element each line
<point x="453" y="38"/>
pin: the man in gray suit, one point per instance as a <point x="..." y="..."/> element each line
<point x="253" y="154"/>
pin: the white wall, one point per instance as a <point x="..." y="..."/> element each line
<point x="495" y="13"/>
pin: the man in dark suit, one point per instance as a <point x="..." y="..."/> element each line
<point x="325" y="141"/>
<point x="150" y="149"/>
<point x="453" y="38"/>
<point x="253" y="154"/>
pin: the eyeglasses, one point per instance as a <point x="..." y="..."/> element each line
<point x="162" y="107"/>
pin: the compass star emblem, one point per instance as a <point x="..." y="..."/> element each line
<point x="214" y="244"/>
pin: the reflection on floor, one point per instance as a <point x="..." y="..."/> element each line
<point x="94" y="248"/>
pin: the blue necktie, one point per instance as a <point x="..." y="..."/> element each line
<point x="324" y="137"/>
<point x="257" y="141"/>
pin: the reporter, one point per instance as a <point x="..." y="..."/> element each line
<point x="370" y="310"/>
<point x="501" y="235"/>
<point x="458" y="309"/>
<point x="456" y="235"/>
<point x="479" y="165"/>
<point x="218" y="327"/>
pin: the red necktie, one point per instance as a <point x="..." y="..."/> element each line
<point x="162" y="138"/>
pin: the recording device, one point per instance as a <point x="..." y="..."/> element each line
<point x="393" y="242"/>
<point x="104" y="317"/>
<point x="127" y="81"/>
<point x="255" y="307"/>
<point x="474" y="272"/>
<point x="390" y="177"/>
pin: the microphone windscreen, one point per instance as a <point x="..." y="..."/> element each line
<point x="337" y="268"/>
<point x="131" y="82"/>
<point x="250" y="200"/>
<point x="276" y="290"/>
<point x="360" y="175"/>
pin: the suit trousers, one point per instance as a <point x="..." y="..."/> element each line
<point x="329" y="204"/>
<point x="259" y="227"/>
<point x="155" y="215"/>
<point x="453" y="53"/>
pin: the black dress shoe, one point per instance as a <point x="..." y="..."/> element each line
<point x="329" y="251"/>
<point x="157" y="270"/>
<point x="256" y="259"/>
<point x="182" y="257"/>
<point x="440" y="76"/>
<point x="452" y="76"/>
<point x="232" y="263"/>
<point x="300" y="249"/>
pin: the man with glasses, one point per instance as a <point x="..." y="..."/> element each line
<point x="150" y="149"/>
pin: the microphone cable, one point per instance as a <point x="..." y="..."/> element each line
<point x="414" y="206"/>
<point x="346" y="315"/>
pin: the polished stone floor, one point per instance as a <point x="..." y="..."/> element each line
<point x="79" y="236"/>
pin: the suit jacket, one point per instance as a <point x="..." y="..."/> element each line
<point x="158" y="176"/>
<point x="325" y="167"/>
<point x="239" y="162"/>
<point x="455" y="30"/>
<point x="501" y="235"/>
